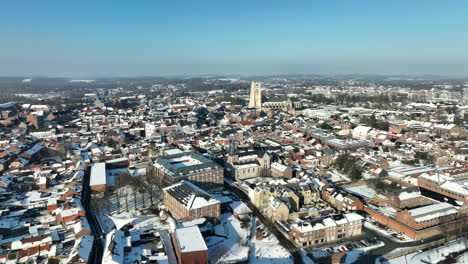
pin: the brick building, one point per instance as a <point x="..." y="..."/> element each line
<point x="187" y="201"/>
<point x="281" y="171"/>
<point x="313" y="232"/>
<point x="97" y="180"/>
<point x="408" y="198"/>
<point x="444" y="185"/>
<point x="421" y="222"/>
<point x="342" y="200"/>
<point x="189" y="246"/>
<point x="188" y="166"/>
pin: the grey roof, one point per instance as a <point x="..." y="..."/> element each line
<point x="167" y="162"/>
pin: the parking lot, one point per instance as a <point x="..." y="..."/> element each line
<point x="358" y="247"/>
<point x="386" y="230"/>
<point x="354" y="245"/>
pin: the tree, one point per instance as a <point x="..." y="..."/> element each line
<point x="355" y="173"/>
<point x="340" y="161"/>
<point x="349" y="164"/>
<point x="63" y="148"/>
<point x="325" y="125"/>
<point x="111" y="142"/>
<point x="380" y="187"/>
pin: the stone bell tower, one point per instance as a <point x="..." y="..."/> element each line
<point x="256" y="95"/>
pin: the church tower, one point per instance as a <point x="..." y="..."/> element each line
<point x="256" y="95"/>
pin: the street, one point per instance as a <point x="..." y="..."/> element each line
<point x="284" y="241"/>
<point x="96" y="230"/>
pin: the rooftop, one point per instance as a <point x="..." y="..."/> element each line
<point x="98" y="174"/>
<point x="189" y="239"/>
<point x="184" y="163"/>
<point x="190" y="195"/>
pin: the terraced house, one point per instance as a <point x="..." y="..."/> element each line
<point x="308" y="233"/>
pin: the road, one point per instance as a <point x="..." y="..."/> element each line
<point x="284" y="241"/>
<point x="166" y="238"/>
<point x="96" y="230"/>
<point x="369" y="257"/>
<point x="372" y="255"/>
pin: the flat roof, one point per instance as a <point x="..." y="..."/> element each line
<point x="98" y="174"/>
<point x="189" y="239"/>
<point x="184" y="163"/>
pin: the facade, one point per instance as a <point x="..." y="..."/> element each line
<point x="408" y="198"/>
<point x="259" y="196"/>
<point x="277" y="209"/>
<point x="310" y="193"/>
<point x="423" y="222"/>
<point x="448" y="131"/>
<point x="187" y="201"/>
<point x="190" y="166"/>
<point x="280" y="171"/>
<point x="429" y="215"/>
<point x="248" y="165"/>
<point x="341" y="200"/>
<point x="314" y="232"/>
<point x="444" y="185"/>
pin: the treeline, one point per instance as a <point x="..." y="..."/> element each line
<point x="383" y="187"/>
<point x="348" y="165"/>
<point x="374" y="123"/>
<point x="61" y="102"/>
<point x="199" y="85"/>
<point x="381" y="99"/>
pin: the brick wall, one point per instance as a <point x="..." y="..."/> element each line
<point x="416" y="234"/>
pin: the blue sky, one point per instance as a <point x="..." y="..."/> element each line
<point x="134" y="38"/>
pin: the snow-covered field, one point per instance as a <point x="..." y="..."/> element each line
<point x="124" y="199"/>
<point x="462" y="259"/>
<point x="124" y="202"/>
<point x="263" y="252"/>
<point x="230" y="243"/>
<point x="233" y="243"/>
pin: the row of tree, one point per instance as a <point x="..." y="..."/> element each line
<point x="374" y="123"/>
<point x="349" y="166"/>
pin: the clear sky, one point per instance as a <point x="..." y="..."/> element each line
<point x="135" y="38"/>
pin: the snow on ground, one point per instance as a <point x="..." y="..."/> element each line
<point x="430" y="256"/>
<point x="231" y="244"/>
<point x="268" y="250"/>
<point x="362" y="190"/>
<point x="385" y="233"/>
<point x="337" y="176"/>
<point x="462" y="259"/>
<point x="131" y="201"/>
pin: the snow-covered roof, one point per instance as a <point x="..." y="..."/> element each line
<point x="121" y="221"/>
<point x="240" y="207"/>
<point x="279" y="166"/>
<point x="190" y="195"/>
<point x="190" y="239"/>
<point x="98" y="174"/>
<point x="432" y="211"/>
